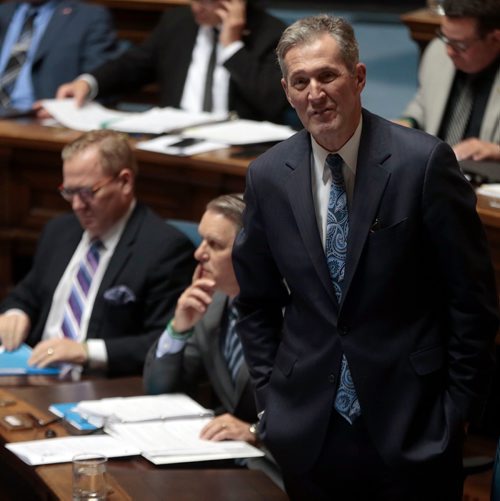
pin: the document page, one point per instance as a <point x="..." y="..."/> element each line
<point x="142" y="408"/>
<point x="178" y="441"/>
<point x="62" y="450"/>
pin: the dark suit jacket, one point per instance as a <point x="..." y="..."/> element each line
<point x="254" y="91"/>
<point x="419" y="308"/>
<point x="152" y="259"/>
<point x="78" y="37"/>
<point x="203" y="359"/>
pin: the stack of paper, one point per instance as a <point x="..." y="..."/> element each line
<point x="177" y="441"/>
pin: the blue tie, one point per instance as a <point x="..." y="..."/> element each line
<point x="233" y="352"/>
<point x="75" y="306"/>
<point x="337" y="230"/>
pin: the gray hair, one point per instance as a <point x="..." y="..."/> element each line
<point x="230" y="206"/>
<point x="309" y="29"/>
<point x="114" y="150"/>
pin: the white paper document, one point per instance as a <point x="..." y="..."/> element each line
<point x="167" y="145"/>
<point x="489" y="190"/>
<point x="143" y="408"/>
<point x="240" y="132"/>
<point x="90" y="116"/>
<point x="154" y="121"/>
<point x="177" y="441"/>
<point x="62" y="450"/>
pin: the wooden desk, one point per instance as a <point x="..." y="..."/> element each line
<point x="31" y="171"/>
<point x="422" y="24"/>
<point x="130" y="478"/>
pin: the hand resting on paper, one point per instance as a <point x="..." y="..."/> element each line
<point x="53" y="351"/>
<point x="227" y="427"/>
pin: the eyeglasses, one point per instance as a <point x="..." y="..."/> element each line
<point x="458" y="45"/>
<point x="86" y="193"/>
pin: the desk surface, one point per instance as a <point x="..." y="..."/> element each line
<point x="130" y="478"/>
<point x="422" y="24"/>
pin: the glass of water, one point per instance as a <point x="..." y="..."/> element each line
<point x="89" y="477"/>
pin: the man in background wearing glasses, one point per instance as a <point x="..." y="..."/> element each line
<point x="459" y="95"/>
<point x="105" y="278"/>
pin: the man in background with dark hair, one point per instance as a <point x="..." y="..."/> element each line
<point x="458" y="99"/>
<point x="214" y="55"/>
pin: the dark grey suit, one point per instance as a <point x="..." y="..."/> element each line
<point x="202" y="359"/>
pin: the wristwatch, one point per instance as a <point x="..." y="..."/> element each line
<point x="254" y="430"/>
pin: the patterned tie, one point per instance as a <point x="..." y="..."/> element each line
<point x="75" y="306"/>
<point x="209" y="79"/>
<point x="17" y="58"/>
<point x="337" y="229"/>
<point x="460" y="113"/>
<point x="233" y="352"/>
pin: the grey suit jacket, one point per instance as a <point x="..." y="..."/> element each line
<point x="202" y="358"/>
<point x="78" y="38"/>
<point x="436" y="76"/>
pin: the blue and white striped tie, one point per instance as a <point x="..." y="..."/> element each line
<point x="74" y="308"/>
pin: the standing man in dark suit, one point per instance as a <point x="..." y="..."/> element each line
<point x="367" y="298"/>
<point x="177" y="55"/>
<point x="200" y="342"/>
<point x="105" y="278"/>
<point x="68" y="38"/>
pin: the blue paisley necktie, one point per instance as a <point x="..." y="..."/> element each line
<point x="337" y="230"/>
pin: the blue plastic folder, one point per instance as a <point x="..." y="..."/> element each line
<point x="14" y="363"/>
<point x="68" y="413"/>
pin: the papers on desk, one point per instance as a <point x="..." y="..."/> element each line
<point x="155" y="121"/>
<point x="139" y="409"/>
<point x="62" y="450"/>
<point x="489" y="190"/>
<point x="177" y="441"/>
<point x="14" y="363"/>
<point x="173" y="145"/>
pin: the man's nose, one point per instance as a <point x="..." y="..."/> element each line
<point x="315" y="90"/>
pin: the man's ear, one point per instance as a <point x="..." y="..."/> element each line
<point x="285" y="88"/>
<point x="126" y="178"/>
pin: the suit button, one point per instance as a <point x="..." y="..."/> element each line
<point x="331" y="378"/>
<point x="343" y="330"/>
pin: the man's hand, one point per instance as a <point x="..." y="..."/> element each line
<point x="475" y="149"/>
<point x="14" y="328"/>
<point x="79" y="89"/>
<point x="227" y="427"/>
<point x="233" y="15"/>
<point x="53" y="351"/>
<point x="193" y="302"/>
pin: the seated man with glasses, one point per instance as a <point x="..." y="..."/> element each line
<point x="458" y="98"/>
<point x="104" y="279"/>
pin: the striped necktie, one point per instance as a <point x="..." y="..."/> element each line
<point x="17" y="58"/>
<point x="459" y="116"/>
<point x="337" y="230"/>
<point x="74" y="308"/>
<point x="233" y="352"/>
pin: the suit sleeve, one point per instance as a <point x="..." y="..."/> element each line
<point x="100" y="43"/>
<point x="459" y="245"/>
<point x="262" y="295"/>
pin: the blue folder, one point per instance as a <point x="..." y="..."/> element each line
<point x="14" y="363"/>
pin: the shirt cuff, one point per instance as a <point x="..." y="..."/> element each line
<point x="171" y="341"/>
<point x="230" y="50"/>
<point x="92" y="82"/>
<point x="98" y="355"/>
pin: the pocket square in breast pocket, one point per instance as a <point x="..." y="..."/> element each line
<point x="120" y="294"/>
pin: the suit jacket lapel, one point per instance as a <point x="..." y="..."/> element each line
<point x="371" y="180"/>
<point x="299" y="188"/>
<point x="55" y="28"/>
